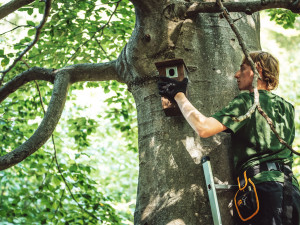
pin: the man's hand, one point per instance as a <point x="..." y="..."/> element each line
<point x="169" y="87"/>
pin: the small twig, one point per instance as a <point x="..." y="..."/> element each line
<point x="102" y="49"/>
<point x="12" y="23"/>
<point x="67" y="185"/>
<point x="37" y="87"/>
<point x="40" y="96"/>
<point x="17" y="27"/>
<point x="60" y="200"/>
<point x="237" y="19"/>
<point x="98" y="30"/>
<point x="31" y="44"/>
<point x="256" y="103"/>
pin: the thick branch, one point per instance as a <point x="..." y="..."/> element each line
<point x="12" y="6"/>
<point x="246" y="7"/>
<point x="62" y="78"/>
<point x="93" y="72"/>
<point x="145" y="5"/>
<point x="34" y="73"/>
<point x="79" y="72"/>
<point x="47" y="126"/>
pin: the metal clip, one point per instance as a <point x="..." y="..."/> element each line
<point x="271" y="166"/>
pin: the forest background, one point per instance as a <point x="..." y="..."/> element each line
<point x="88" y="171"/>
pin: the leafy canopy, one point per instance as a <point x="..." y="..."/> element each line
<point x="60" y="184"/>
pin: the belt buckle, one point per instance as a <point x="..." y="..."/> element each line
<point x="271" y="166"/>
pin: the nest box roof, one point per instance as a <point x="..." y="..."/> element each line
<point x="170" y="62"/>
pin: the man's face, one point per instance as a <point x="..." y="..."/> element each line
<point x="244" y="77"/>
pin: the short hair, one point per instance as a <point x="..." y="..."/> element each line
<point x="269" y="65"/>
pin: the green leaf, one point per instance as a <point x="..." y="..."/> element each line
<point x="30" y="23"/>
<point x="34" y="187"/>
<point x="4" y="62"/>
<point x="56" y="180"/>
<point x="283" y="17"/>
<point x="30" y="11"/>
<point x="31" y="32"/>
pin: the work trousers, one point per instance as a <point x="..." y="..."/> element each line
<point x="270" y="195"/>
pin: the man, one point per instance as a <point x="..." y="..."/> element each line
<point x="268" y="193"/>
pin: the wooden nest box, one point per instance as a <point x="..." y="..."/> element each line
<point x="175" y="69"/>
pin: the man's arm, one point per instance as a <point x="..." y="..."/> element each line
<point x="204" y="126"/>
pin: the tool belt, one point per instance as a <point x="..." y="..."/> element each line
<point x="246" y="199"/>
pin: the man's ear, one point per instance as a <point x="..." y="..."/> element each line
<point x="259" y="68"/>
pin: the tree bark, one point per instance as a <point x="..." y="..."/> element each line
<point x="249" y="8"/>
<point x="12" y="6"/>
<point x="171" y="187"/>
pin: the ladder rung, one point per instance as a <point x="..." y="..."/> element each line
<point x="225" y="187"/>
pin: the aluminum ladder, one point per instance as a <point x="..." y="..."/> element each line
<point x="211" y="189"/>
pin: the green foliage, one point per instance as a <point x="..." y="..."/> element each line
<point x="90" y="175"/>
<point x="285" y="46"/>
<point x="122" y="112"/>
<point x="77" y="31"/>
<point x="80" y="128"/>
<point x="283" y="17"/>
<point x="35" y="193"/>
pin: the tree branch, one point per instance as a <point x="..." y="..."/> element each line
<point x="246" y="7"/>
<point x="35" y="73"/>
<point x="93" y="72"/>
<point x="12" y="6"/>
<point x="30" y="45"/>
<point x="47" y="126"/>
<point x="62" y="78"/>
<point x="17" y="27"/>
<point x="78" y="73"/>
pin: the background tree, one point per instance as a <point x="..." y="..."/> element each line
<point x="171" y="187"/>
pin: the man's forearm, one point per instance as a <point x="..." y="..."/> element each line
<point x="204" y="126"/>
<point x="191" y="114"/>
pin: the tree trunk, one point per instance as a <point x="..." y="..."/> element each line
<point x="171" y="186"/>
